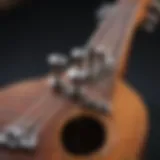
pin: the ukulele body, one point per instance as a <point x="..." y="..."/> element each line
<point x="124" y="131"/>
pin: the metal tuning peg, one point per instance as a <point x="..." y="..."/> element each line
<point x="12" y="135"/>
<point x="29" y="141"/>
<point x="58" y="63"/>
<point x="77" y="77"/>
<point x="16" y="137"/>
<point x="78" y="73"/>
<point x="104" y="59"/>
<point x="153" y="16"/>
<point x="78" y="55"/>
<point x="108" y="60"/>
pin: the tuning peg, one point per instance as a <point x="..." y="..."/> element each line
<point x="58" y="63"/>
<point x="78" y="55"/>
<point x="77" y="77"/>
<point x="104" y="58"/>
<point x="29" y="141"/>
<point x="12" y="136"/>
<point x="153" y="16"/>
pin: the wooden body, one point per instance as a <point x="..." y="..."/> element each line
<point x="127" y="127"/>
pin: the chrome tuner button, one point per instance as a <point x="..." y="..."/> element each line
<point x="105" y="58"/>
<point x="153" y="16"/>
<point x="58" y="63"/>
<point x="29" y="141"/>
<point x="77" y="77"/>
<point x="78" y="56"/>
<point x="12" y="136"/>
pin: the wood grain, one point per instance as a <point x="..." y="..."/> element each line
<point x="127" y="126"/>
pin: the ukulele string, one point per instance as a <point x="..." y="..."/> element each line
<point x="30" y="111"/>
<point x="105" y="26"/>
<point x="119" y="41"/>
<point x="103" y="85"/>
<point x="50" y="112"/>
<point x="39" y="104"/>
<point x="136" y="7"/>
<point x="37" y="113"/>
<point x="39" y="122"/>
<point x="34" y="106"/>
<point x="43" y="121"/>
<point x="108" y="39"/>
<point x="104" y="39"/>
<point x="124" y="28"/>
<point x="30" y="118"/>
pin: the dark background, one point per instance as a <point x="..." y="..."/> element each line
<point x="28" y="33"/>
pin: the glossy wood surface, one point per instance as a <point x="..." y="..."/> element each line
<point x="127" y="125"/>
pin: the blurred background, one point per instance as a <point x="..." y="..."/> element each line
<point x="30" y="29"/>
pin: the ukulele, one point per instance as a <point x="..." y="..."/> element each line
<point x="83" y="109"/>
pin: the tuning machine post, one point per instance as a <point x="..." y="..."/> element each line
<point x="78" y="73"/>
<point x="58" y="63"/>
<point x="153" y="16"/>
<point x="103" y="61"/>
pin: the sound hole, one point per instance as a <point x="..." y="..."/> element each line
<point x="83" y="135"/>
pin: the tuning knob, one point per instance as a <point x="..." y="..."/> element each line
<point x="153" y="16"/>
<point x="105" y="58"/>
<point x="58" y="63"/>
<point x="78" y="55"/>
<point x="13" y="135"/>
<point x="77" y="77"/>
